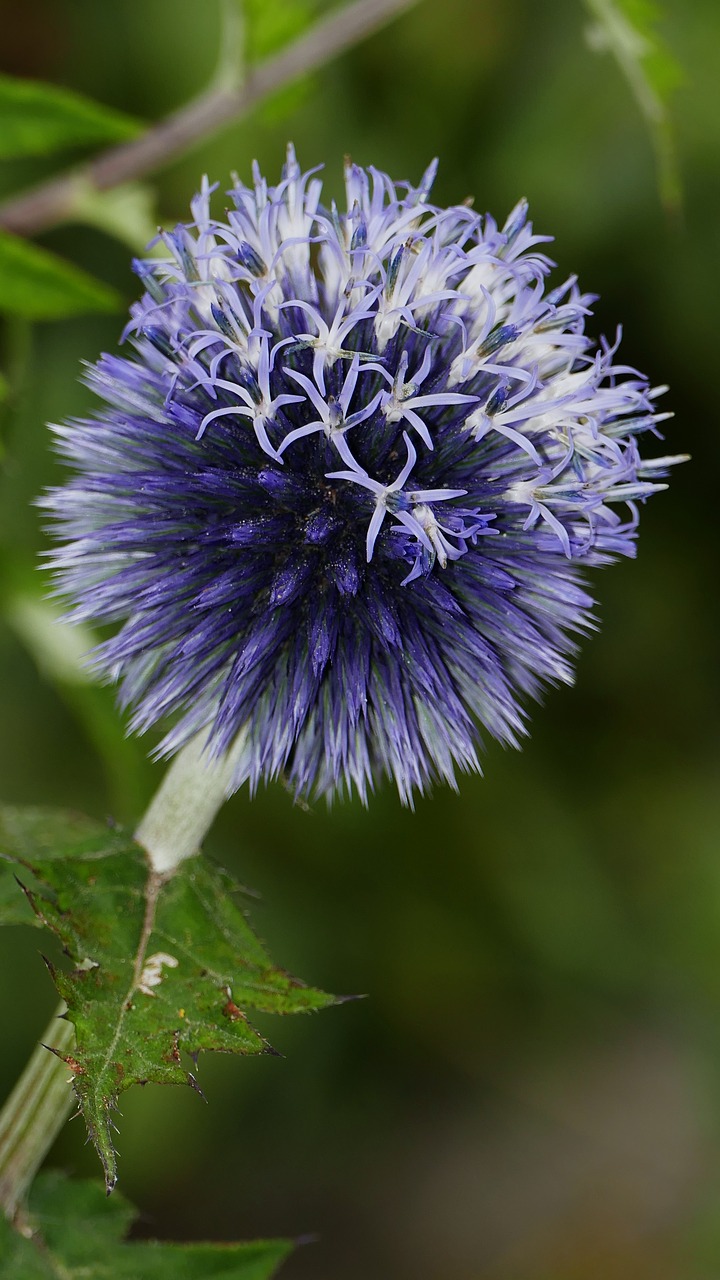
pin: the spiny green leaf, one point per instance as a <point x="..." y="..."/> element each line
<point x="44" y="833"/>
<point x="39" y="285"/>
<point x="169" y="967"/>
<point x="27" y="833"/>
<point x="38" y="118"/>
<point x="626" y="29"/>
<point x="78" y="1234"/>
<point x="14" y="907"/>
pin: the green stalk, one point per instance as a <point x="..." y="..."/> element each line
<point x="185" y="804"/>
<point x="34" y="1114"/>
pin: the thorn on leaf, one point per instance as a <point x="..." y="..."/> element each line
<point x="194" y="1085"/>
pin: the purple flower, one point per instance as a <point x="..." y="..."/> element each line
<point x="347" y="482"/>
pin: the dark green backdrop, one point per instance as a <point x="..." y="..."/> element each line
<point x="532" y="1089"/>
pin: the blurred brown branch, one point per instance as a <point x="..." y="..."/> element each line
<point x="53" y="201"/>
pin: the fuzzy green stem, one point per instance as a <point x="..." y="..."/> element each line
<point x="34" y="1114"/>
<point x="185" y="804"/>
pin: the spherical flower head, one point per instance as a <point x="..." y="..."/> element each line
<point x="347" y="483"/>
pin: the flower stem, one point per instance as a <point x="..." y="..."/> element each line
<point x="183" y="808"/>
<point x="34" y="1114"/>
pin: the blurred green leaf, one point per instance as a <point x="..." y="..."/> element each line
<point x="270" y="24"/>
<point x="78" y="1234"/>
<point x="626" y="29"/>
<point x="283" y="104"/>
<point x="126" y="212"/>
<point x="40" y="286"/>
<point x="37" y="119"/>
<point x="59" y="650"/>
<point x="169" y="966"/>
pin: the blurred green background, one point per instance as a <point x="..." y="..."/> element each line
<point x="532" y="1089"/>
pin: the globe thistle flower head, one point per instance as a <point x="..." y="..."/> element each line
<point x="346" y="483"/>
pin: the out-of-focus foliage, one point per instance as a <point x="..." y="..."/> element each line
<point x="270" y="26"/>
<point x="41" y="286"/>
<point x="37" y="119"/>
<point x="126" y="212"/>
<point x="268" y="29"/>
<point x="627" y="30"/>
<point x="79" y="1235"/>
